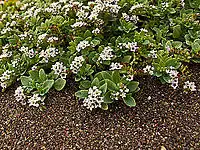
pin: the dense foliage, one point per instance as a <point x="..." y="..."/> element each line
<point x="103" y="43"/>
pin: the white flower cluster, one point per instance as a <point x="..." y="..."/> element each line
<point x="82" y="45"/>
<point x="5" y="52"/>
<point x="129" y="77"/>
<point x="6" y="30"/>
<point x="54" y="8"/>
<point x="4" y="77"/>
<point x="190" y="85"/>
<point x="26" y="35"/>
<point x="143" y="30"/>
<point x="133" y="18"/>
<point x="132" y="46"/>
<point x="29" y="52"/>
<point x="101" y="5"/>
<point x="41" y="37"/>
<point x="122" y="92"/>
<point x="52" y="39"/>
<point x="20" y="96"/>
<point x="165" y="5"/>
<point x="153" y="54"/>
<point x="174" y="77"/>
<point x="182" y="3"/>
<point x="106" y="54"/>
<point x="82" y="14"/>
<point x="34" y="100"/>
<point x="115" y="66"/>
<point x="78" y="24"/>
<point x="96" y="31"/>
<point x="32" y="11"/>
<point x="136" y="7"/>
<point x="94" y="98"/>
<point x="59" y="69"/>
<point x="77" y="64"/>
<point x="148" y="69"/>
<point x="49" y="52"/>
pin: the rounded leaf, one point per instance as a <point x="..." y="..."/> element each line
<point x="59" y="84"/>
<point x="129" y="101"/>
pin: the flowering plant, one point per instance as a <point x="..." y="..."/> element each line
<point x="104" y="44"/>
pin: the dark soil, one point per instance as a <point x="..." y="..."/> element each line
<point x="170" y="119"/>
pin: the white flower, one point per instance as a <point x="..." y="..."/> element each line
<point x="132" y="46"/>
<point x="3" y="85"/>
<point x="134" y="18"/>
<point x="182" y="3"/>
<point x="34" y="67"/>
<point x="136" y="7"/>
<point x="121" y="93"/>
<point x="143" y="30"/>
<point x="5" y="76"/>
<point x="94" y="98"/>
<point x="125" y="16"/>
<point x="82" y="45"/>
<point x="148" y="69"/>
<point x="77" y="64"/>
<point x="49" y="52"/>
<point x="96" y="31"/>
<point x="106" y="54"/>
<point x="59" y="69"/>
<point x="78" y="24"/>
<point x="174" y="83"/>
<point x="33" y="101"/>
<point x="130" y="77"/>
<point x="19" y="95"/>
<point x="153" y="54"/>
<point x="190" y="85"/>
<point x="82" y="14"/>
<point x="23" y="49"/>
<point x="115" y="66"/>
<point x="42" y="37"/>
<point x="31" y="53"/>
<point x="52" y="39"/>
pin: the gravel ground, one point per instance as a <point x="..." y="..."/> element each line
<point x="163" y="119"/>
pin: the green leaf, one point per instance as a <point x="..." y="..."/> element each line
<point x="177" y="44"/>
<point x="107" y="98"/>
<point x="106" y="75"/>
<point x="104" y="106"/>
<point x="85" y="84"/>
<point x="47" y="85"/>
<point x="167" y="78"/>
<point x="34" y="74"/>
<point x="173" y="62"/>
<point x="132" y="86"/>
<point x="26" y="81"/>
<point x="87" y="34"/>
<point x="111" y="85"/>
<point x="116" y="76"/>
<point x="82" y="94"/>
<point x="1" y="71"/>
<point x="42" y="75"/>
<point x="95" y="82"/>
<point x="177" y="31"/>
<point x="129" y="101"/>
<point x="59" y="84"/>
<point x="126" y="59"/>
<point x="196" y="60"/>
<point x="103" y="88"/>
<point x="196" y="45"/>
<point x="95" y="42"/>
